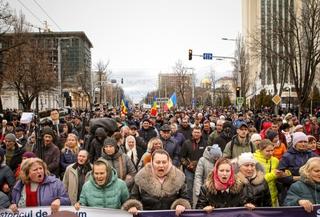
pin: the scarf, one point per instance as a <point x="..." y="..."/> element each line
<point x="31" y="196"/>
<point x="219" y="186"/>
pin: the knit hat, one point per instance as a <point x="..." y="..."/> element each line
<point x="110" y="141"/>
<point x="299" y="126"/>
<point x="246" y="157"/>
<point x="255" y="137"/>
<point x="10" y="137"/>
<point x="311" y="138"/>
<point x="271" y="135"/>
<point x="48" y="131"/>
<point x="215" y="151"/>
<point x="298" y="137"/>
<point x="28" y="154"/>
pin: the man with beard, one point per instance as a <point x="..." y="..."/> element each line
<point x="216" y="133"/>
<point x="51" y="153"/>
<point x="225" y="135"/>
<point x="240" y="143"/>
<point x="185" y="128"/>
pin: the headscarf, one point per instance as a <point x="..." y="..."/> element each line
<point x="217" y="182"/>
<point x="132" y="153"/>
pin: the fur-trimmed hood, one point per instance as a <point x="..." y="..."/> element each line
<point x="234" y="189"/>
<point x="256" y="180"/>
<point x="149" y="183"/>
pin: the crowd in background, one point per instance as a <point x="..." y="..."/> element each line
<point x="180" y="159"/>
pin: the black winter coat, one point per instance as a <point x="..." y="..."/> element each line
<point x="209" y="196"/>
<point x="147" y="134"/>
<point x="256" y="190"/>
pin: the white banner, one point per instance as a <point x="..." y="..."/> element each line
<point x="83" y="212"/>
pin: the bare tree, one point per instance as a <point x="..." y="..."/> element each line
<point x="103" y="74"/>
<point x="27" y="67"/>
<point x="182" y="82"/>
<point x="299" y="46"/>
<point x="241" y="68"/>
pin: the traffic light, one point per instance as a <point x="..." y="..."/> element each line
<point x="238" y="92"/>
<point x="121" y="80"/>
<point x="190" y="54"/>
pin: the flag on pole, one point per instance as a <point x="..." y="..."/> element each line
<point x="154" y="109"/>
<point x="172" y="101"/>
<point x="124" y="108"/>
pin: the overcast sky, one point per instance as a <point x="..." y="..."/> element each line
<point x="142" y="38"/>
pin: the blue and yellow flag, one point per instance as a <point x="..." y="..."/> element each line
<point x="172" y="101"/>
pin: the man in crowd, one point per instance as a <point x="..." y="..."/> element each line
<point x="239" y="143"/>
<point x="147" y="131"/>
<point x="191" y="151"/>
<point x="169" y="144"/>
<point x="216" y="132"/>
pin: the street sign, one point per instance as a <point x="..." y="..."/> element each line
<point x="276" y="99"/>
<point x="207" y="56"/>
<point x="240" y="101"/>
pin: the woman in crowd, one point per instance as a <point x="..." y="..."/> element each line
<point x="103" y="188"/>
<point x="264" y="156"/>
<point x="69" y="152"/>
<point x="279" y="148"/>
<point x="76" y="174"/>
<point x="312" y="144"/>
<point x="37" y="188"/>
<point x="292" y="160"/>
<point x="134" y="153"/>
<point x="158" y="186"/>
<point x="120" y="141"/>
<point x="153" y="144"/>
<point x="119" y="161"/>
<point x="306" y="191"/>
<point x="255" y="139"/>
<point x="251" y="175"/>
<point x="205" y="165"/>
<point x="221" y="189"/>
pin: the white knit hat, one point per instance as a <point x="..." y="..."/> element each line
<point x="246" y="157"/>
<point x="255" y="137"/>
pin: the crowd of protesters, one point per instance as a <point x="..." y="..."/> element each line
<point x="180" y="159"/>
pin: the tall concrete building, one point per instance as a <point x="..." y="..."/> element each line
<point x="258" y="20"/>
<point x="70" y="55"/>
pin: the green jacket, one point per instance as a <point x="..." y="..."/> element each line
<point x="111" y="195"/>
<point x="269" y="167"/>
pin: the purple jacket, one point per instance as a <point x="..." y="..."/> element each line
<point x="51" y="189"/>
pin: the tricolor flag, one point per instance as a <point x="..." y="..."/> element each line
<point x="154" y="109"/>
<point x="172" y="101"/>
<point x="124" y="108"/>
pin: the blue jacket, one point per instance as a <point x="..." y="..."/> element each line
<point x="171" y="147"/>
<point x="51" y="188"/>
<point x="292" y="160"/>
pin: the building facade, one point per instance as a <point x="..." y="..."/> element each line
<point x="69" y="54"/>
<point x="259" y="19"/>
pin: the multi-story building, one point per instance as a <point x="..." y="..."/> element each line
<point x="258" y="21"/>
<point x="70" y="55"/>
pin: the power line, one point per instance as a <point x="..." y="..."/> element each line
<point x="47" y="14"/>
<point x="30" y="11"/>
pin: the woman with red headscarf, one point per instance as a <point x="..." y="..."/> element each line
<point x="221" y="189"/>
